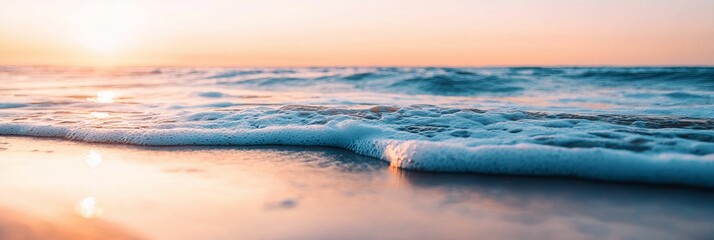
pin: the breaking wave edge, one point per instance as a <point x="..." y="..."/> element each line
<point x="511" y="159"/>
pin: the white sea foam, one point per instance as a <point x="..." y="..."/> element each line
<point x="447" y="120"/>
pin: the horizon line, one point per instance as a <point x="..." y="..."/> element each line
<point x="375" y="66"/>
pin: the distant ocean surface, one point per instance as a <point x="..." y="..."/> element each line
<point x="653" y="125"/>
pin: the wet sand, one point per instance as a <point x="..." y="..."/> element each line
<point x="56" y="189"/>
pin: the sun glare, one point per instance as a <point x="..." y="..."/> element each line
<point x="106" y="26"/>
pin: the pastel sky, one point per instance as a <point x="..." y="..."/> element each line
<point x="357" y="33"/>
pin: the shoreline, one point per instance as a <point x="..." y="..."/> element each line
<point x="298" y="147"/>
<point x="316" y="193"/>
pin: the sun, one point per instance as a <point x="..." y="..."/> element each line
<point x="106" y="26"/>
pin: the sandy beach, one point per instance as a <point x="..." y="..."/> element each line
<point x="341" y="120"/>
<point x="58" y="189"/>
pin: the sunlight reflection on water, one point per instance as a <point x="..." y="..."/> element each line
<point x="88" y="208"/>
<point x="99" y="115"/>
<point x="94" y="158"/>
<point x="231" y="193"/>
<point x="104" y="97"/>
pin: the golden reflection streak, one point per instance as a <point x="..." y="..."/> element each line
<point x="394" y="153"/>
<point x="88" y="206"/>
<point x="397" y="177"/>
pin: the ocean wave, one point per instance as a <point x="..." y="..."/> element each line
<point x="465" y="84"/>
<point x="666" y="78"/>
<point x="12" y="105"/>
<point x="427" y="138"/>
<point x="231" y="74"/>
<point x="651" y="125"/>
<point x="702" y="74"/>
<point x="437" y="81"/>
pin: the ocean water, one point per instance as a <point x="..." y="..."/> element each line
<point x="653" y="125"/>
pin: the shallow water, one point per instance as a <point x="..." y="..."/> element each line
<point x="53" y="189"/>
<point x="652" y="125"/>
